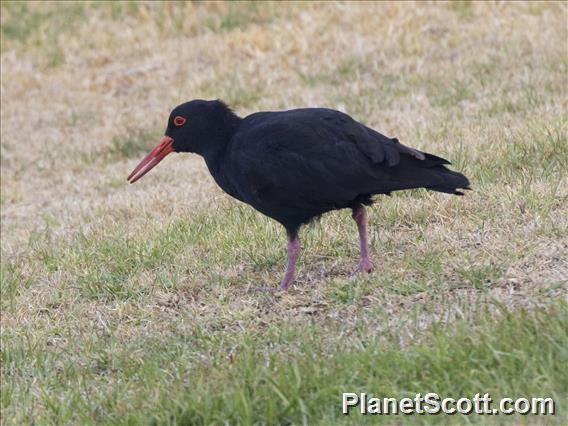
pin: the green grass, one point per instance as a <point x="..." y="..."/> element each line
<point x="284" y="374"/>
<point x="112" y="262"/>
<point x="239" y="16"/>
<point x="132" y="144"/>
<point x="40" y="27"/>
<point x="13" y="282"/>
<point x="23" y="23"/>
<point x="519" y="354"/>
<point x="231" y="365"/>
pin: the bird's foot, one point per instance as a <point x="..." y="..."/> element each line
<point x="287" y="279"/>
<point x="365" y="265"/>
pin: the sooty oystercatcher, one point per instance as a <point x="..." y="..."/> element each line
<point x="295" y="165"/>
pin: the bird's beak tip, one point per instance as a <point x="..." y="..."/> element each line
<point x="163" y="148"/>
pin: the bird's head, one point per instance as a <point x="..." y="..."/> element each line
<point x="196" y="126"/>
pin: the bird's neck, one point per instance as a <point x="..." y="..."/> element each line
<point x="216" y="159"/>
<point x="214" y="149"/>
<point x="218" y="139"/>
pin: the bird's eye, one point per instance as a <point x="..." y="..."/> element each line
<point x="179" y="120"/>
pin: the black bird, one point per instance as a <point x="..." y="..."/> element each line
<point x="295" y="165"/>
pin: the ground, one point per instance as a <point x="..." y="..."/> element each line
<point x="136" y="303"/>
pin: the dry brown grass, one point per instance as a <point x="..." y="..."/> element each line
<point x="481" y="83"/>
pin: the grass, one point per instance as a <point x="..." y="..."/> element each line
<point x="296" y="378"/>
<point x="135" y="304"/>
<point x="40" y="26"/>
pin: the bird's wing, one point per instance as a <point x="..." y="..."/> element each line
<point x="321" y="159"/>
<point x="374" y="145"/>
<point x="334" y="127"/>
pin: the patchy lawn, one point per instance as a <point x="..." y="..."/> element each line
<point x="136" y="304"/>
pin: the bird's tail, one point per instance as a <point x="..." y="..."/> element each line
<point x="451" y="181"/>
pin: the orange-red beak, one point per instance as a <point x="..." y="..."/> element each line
<point x="164" y="148"/>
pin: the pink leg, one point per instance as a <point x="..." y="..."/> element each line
<point x="293" y="251"/>
<point x="361" y="219"/>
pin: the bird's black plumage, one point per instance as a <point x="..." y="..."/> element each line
<point x="295" y="165"/>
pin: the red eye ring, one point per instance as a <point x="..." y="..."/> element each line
<point x="179" y="120"/>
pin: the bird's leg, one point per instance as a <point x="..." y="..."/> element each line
<point x="293" y="251"/>
<point x="361" y="219"/>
